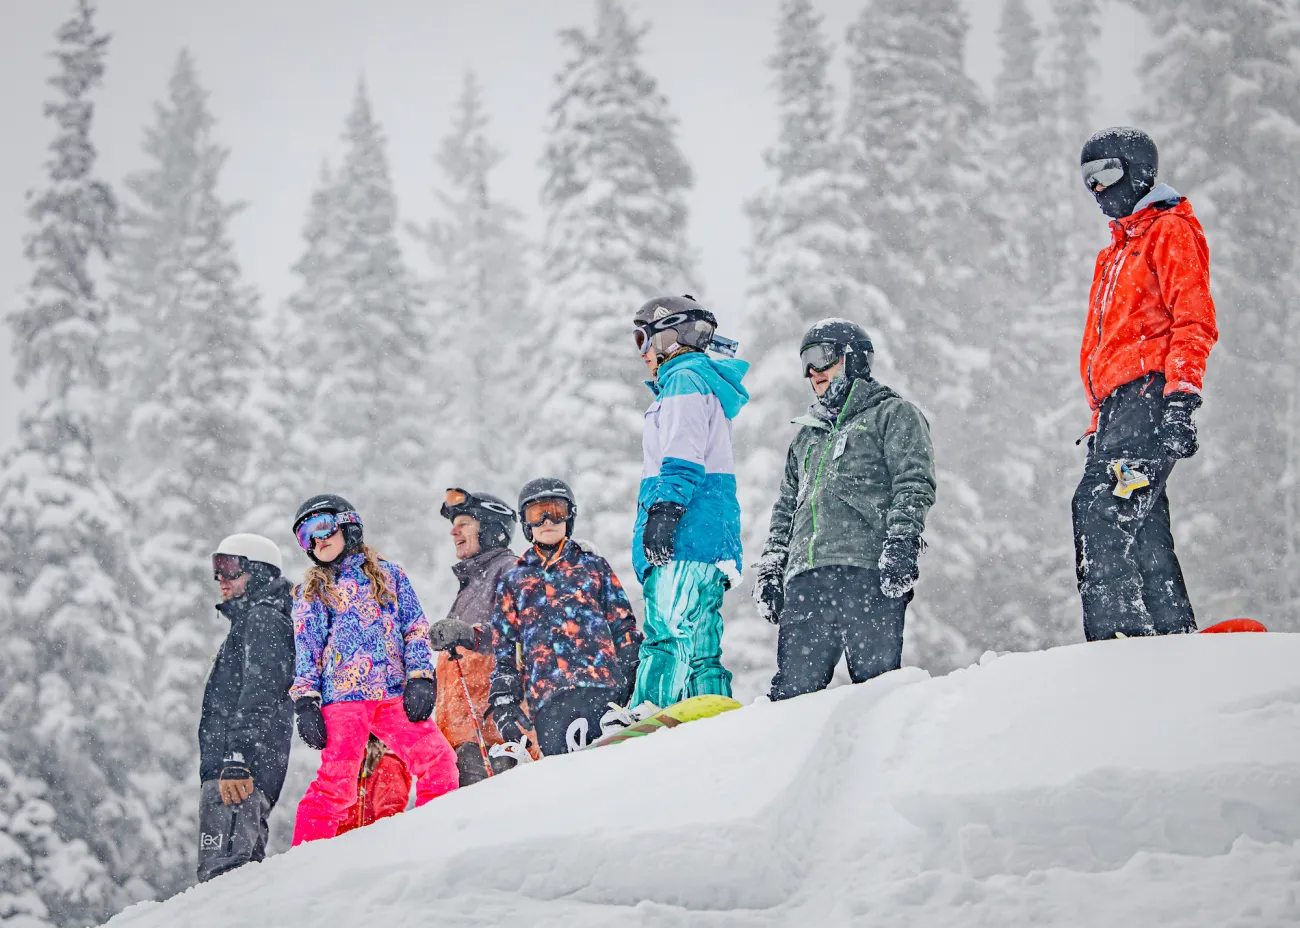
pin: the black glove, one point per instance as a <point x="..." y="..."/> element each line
<point x="1177" y="429"/>
<point x="769" y="587"/>
<point x="450" y="634"/>
<point x="660" y="526"/>
<point x="419" y="698"/>
<point x="510" y="719"/>
<point x="898" y="570"/>
<point x="311" y="722"/>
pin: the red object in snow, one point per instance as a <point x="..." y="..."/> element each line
<point x="1235" y="625"/>
<point x="379" y="795"/>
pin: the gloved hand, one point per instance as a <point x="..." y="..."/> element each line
<point x="450" y="634"/>
<point x="769" y="587"/>
<point x="311" y="722"/>
<point x="236" y="781"/>
<point x="898" y="570"/>
<point x="510" y="719"/>
<point x="660" y="526"/>
<point x="419" y="698"/>
<point x="1177" y="429"/>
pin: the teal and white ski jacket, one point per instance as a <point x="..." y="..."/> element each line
<point x="687" y="459"/>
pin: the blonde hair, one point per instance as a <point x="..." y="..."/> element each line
<point x="318" y="584"/>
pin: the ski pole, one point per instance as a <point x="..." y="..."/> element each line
<point x="473" y="713"/>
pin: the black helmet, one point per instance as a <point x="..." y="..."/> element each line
<point x="495" y="517"/>
<point x="666" y="321"/>
<point x="547" y="488"/>
<point x="353" y="535"/>
<point x="1123" y="161"/>
<point x="847" y="340"/>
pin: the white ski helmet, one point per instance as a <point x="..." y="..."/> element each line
<point x="252" y="547"/>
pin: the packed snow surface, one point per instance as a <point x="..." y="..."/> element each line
<point x="1138" y="783"/>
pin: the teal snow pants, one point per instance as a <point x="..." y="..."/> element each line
<point x="682" y="652"/>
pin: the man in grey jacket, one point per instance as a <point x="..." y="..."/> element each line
<point x="481" y="526"/>
<point x="841" y="554"/>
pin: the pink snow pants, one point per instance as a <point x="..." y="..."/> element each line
<point x="348" y="725"/>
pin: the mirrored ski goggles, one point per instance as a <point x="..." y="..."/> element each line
<point x="228" y="566"/>
<point x="323" y="525"/>
<point x="546" y="510"/>
<point x="820" y="357"/>
<point x="457" y="502"/>
<point x="1102" y="173"/>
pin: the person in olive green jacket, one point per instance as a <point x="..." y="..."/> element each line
<point x="840" y="560"/>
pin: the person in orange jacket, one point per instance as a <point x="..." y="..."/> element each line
<point x="1150" y="329"/>
<point x="383" y="787"/>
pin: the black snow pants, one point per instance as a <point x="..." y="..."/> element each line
<point x="831" y="611"/>
<point x="230" y="836"/>
<point x="570" y="718"/>
<point x="1129" y="577"/>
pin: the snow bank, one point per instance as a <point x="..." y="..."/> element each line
<point x="1139" y="782"/>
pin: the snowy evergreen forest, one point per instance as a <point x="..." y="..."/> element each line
<point x="175" y="404"/>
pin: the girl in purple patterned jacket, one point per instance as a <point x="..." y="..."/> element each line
<point x="363" y="666"/>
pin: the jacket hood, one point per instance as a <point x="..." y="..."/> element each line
<point x="1160" y="193"/>
<point x="481" y="563"/>
<point x="277" y="595"/>
<point x="1137" y="222"/>
<point x="723" y="376"/>
<point x="863" y="395"/>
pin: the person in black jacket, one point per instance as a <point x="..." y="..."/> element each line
<point x="247" y="722"/>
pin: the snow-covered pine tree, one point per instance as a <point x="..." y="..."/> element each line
<point x="281" y="469"/>
<point x="615" y="237"/>
<point x="914" y="129"/>
<point x="186" y="352"/>
<point x="42" y="875"/>
<point x="801" y="239"/>
<point x="1220" y="98"/>
<point x="1034" y="385"/>
<point x="73" y="743"/>
<point x="479" y="292"/>
<point x="357" y="344"/>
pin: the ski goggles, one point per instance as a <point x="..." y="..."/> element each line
<point x="820" y="357"/>
<point x="462" y="502"/>
<point x="646" y="331"/>
<point x="323" y="525"/>
<point x="229" y="566"/>
<point x="552" y="510"/>
<point x="1102" y="173"/>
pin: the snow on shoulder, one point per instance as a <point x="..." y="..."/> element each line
<point x="1137" y="782"/>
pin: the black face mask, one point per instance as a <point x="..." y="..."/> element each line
<point x="836" y="393"/>
<point x="1120" y="195"/>
<point x="1119" y="200"/>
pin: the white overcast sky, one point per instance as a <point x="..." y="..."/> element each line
<point x="281" y="74"/>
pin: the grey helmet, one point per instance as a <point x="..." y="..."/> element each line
<point x="668" y="321"/>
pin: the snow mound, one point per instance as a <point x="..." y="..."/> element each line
<point x="1137" y="782"/>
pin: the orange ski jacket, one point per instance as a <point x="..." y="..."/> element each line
<point x="1150" y="307"/>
